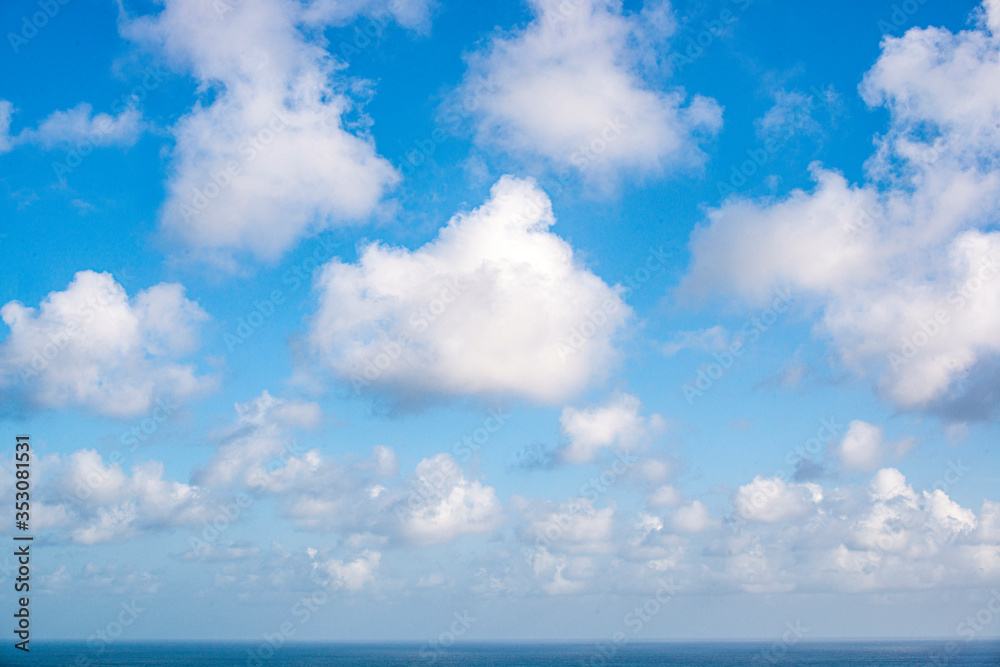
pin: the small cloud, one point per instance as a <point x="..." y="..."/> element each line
<point x="790" y="377"/>
<point x="82" y="207"/>
<point x="807" y="470"/>
<point x="714" y="339"/>
<point x="534" y="456"/>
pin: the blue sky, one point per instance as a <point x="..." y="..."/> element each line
<point x="707" y="285"/>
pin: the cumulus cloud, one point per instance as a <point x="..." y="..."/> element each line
<point x="91" y="347"/>
<point x="569" y="88"/>
<point x="410" y="13"/>
<point x="864" y="448"/>
<point x="861" y="448"/>
<point x="73" y="127"/>
<point x="713" y="339"/>
<point x="364" y="499"/>
<point x="272" y="155"/>
<point x="351" y="575"/>
<point x="901" y="267"/>
<point x="80" y="124"/>
<point x="617" y="423"/>
<point x="90" y="501"/>
<point x="6" y="111"/>
<point x="880" y="535"/>
<point x="664" y="496"/>
<point x="496" y="304"/>
<point x="257" y="450"/>
<point x="693" y="518"/>
<point x="771" y="500"/>
<point x="574" y="526"/>
<point x="450" y="505"/>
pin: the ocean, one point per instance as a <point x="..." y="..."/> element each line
<point x="718" y="654"/>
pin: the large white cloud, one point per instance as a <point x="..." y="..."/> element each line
<point x="902" y="267"/>
<point x="496" y="304"/>
<point x="271" y="157"/>
<point x="91" y="347"/>
<point x="569" y="88"/>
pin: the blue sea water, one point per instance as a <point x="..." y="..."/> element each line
<point x="832" y="654"/>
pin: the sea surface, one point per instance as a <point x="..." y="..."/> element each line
<point x="832" y="654"/>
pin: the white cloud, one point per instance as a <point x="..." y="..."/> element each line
<point x="92" y="501"/>
<point x="713" y="339"/>
<point x="771" y="500"/>
<point x="6" y="111"/>
<point x="80" y="125"/>
<point x="888" y="484"/>
<point x="257" y="451"/>
<point x="902" y="268"/>
<point x="792" y="113"/>
<point x="273" y="156"/>
<point x="492" y="306"/>
<point x="351" y="575"/>
<point x="693" y="518"/>
<point x="363" y="499"/>
<point x="450" y="504"/>
<point x="614" y="424"/>
<point x="569" y="88"/>
<point x="74" y="127"/>
<point x="410" y="13"/>
<point x="664" y="496"/>
<point x="574" y="526"/>
<point x="553" y="568"/>
<point x="92" y="348"/>
<point x="861" y="447"/>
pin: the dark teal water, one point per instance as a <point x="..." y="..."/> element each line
<point x="838" y="654"/>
